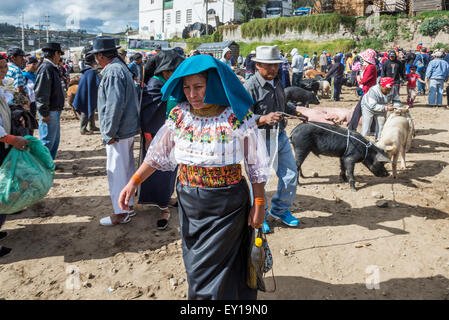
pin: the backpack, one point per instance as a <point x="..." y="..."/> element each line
<point x="420" y="62"/>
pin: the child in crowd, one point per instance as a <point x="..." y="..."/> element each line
<point x="412" y="78"/>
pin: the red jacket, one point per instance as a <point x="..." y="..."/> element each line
<point x="369" y="78"/>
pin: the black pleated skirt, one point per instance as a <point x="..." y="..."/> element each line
<point x="215" y="241"/>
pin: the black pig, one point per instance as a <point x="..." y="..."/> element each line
<point x="307" y="137"/>
<point x="296" y="94"/>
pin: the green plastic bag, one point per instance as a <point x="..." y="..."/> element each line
<point x="25" y="176"/>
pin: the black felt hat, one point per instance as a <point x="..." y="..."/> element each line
<point x="53" y="46"/>
<point x="102" y="44"/>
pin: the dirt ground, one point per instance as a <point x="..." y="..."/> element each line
<point x="343" y="242"/>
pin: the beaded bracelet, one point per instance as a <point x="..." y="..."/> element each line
<point x="259" y="201"/>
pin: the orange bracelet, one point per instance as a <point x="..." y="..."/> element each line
<point x="259" y="201"/>
<point x="137" y="179"/>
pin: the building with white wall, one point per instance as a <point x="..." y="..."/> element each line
<point x="164" y="19"/>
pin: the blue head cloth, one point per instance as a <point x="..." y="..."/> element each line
<point x="223" y="86"/>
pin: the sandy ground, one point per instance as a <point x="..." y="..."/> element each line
<point x="343" y="241"/>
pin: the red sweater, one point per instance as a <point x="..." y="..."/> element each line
<point x="369" y="78"/>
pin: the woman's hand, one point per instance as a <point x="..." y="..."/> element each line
<point x="20" y="143"/>
<point x="256" y="216"/>
<point x="126" y="194"/>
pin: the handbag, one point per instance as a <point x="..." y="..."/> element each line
<point x="260" y="261"/>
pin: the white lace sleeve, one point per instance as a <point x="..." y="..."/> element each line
<point x="255" y="154"/>
<point x="160" y="153"/>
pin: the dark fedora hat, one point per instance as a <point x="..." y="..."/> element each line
<point x="102" y="44"/>
<point x="52" y="46"/>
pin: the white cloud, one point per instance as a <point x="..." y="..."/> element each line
<point x="104" y="16"/>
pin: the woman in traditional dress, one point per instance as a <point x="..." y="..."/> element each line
<point x="208" y="134"/>
<point x="158" y="189"/>
<point x="6" y="139"/>
<point x="367" y="79"/>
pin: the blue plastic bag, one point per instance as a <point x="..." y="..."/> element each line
<point x="25" y="176"/>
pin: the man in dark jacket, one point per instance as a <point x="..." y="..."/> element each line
<point x="336" y="72"/>
<point x="393" y="68"/>
<point x="49" y="97"/>
<point x="409" y="59"/>
<point x="250" y="65"/>
<point x="87" y="94"/>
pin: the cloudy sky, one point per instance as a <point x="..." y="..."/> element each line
<point x="93" y="16"/>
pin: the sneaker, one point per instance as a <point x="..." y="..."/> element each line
<point x="85" y="132"/>
<point x="286" y="218"/>
<point x="94" y="129"/>
<point x="266" y="227"/>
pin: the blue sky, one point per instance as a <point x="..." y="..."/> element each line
<point x="93" y="16"/>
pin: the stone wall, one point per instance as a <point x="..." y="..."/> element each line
<point x="414" y="36"/>
<point x="236" y="35"/>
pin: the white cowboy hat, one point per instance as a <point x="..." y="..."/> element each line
<point x="267" y="54"/>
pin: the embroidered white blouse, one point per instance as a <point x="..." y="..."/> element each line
<point x="209" y="142"/>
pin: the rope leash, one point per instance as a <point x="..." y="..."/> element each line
<point x="366" y="145"/>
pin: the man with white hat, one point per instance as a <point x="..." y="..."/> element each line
<point x="297" y="67"/>
<point x="268" y="94"/>
<point x="437" y="74"/>
<point x="323" y="62"/>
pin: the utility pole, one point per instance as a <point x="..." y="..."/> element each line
<point x="222" y="12"/>
<point x="23" y="31"/>
<point x="39" y="30"/>
<point x="47" y="23"/>
<point x="163" y="17"/>
<point x="207" y="17"/>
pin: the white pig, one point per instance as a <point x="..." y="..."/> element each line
<point x="396" y="137"/>
<point x="325" y="88"/>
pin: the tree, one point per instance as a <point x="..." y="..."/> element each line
<point x="247" y="7"/>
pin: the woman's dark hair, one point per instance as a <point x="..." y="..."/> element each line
<point x="204" y="74"/>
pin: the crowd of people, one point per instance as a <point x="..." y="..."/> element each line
<point x="197" y="122"/>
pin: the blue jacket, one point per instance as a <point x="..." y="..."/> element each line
<point x="438" y="69"/>
<point x="425" y="59"/>
<point x="136" y="70"/>
<point x="87" y="93"/>
<point x="118" y="102"/>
